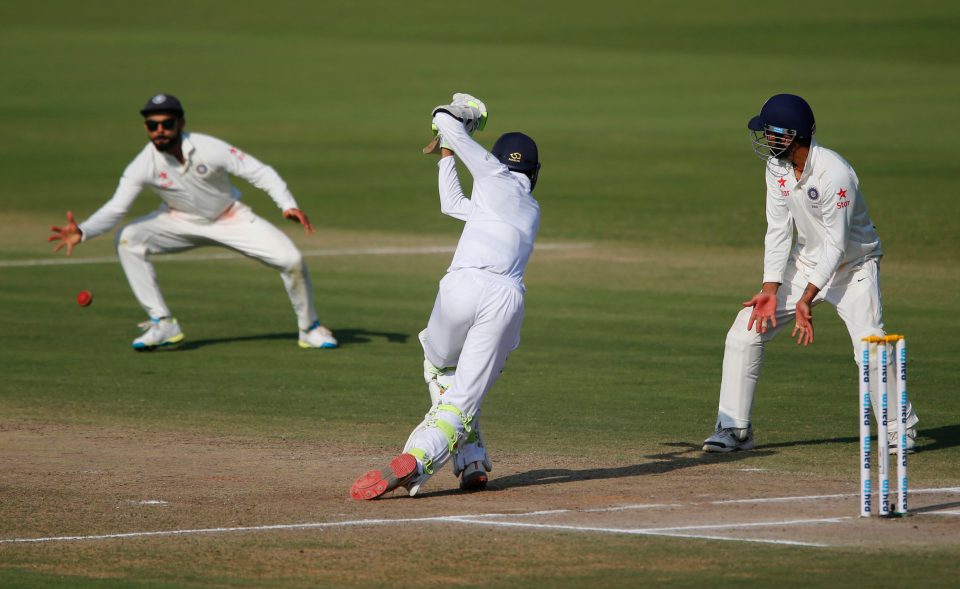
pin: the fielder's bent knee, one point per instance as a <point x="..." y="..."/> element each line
<point x="740" y="338"/>
<point x="130" y="240"/>
<point x="291" y="262"/>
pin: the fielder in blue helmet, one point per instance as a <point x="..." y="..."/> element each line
<point x="820" y="246"/>
<point x="784" y="125"/>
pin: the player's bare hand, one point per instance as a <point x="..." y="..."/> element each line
<point x="69" y="235"/>
<point x="300" y="217"/>
<point x="764" y="315"/>
<point x="803" y="330"/>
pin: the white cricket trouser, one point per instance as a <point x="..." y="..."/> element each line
<point x="856" y="296"/>
<point x="474" y="326"/>
<point x="165" y="231"/>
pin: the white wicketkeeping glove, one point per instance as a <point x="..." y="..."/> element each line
<point x="467" y="109"/>
<point x="472" y="112"/>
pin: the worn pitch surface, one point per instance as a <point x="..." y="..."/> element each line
<point x="73" y="484"/>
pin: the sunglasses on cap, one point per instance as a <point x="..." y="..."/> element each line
<point x="168" y="124"/>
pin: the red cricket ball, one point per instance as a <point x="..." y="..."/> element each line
<point x="84" y="298"/>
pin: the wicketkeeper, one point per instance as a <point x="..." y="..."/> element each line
<point x="835" y="259"/>
<point x="478" y="311"/>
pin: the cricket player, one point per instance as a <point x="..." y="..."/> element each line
<point x="836" y="259"/>
<point x="190" y="172"/>
<point x="478" y="311"/>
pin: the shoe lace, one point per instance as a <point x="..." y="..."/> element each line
<point x="145" y="326"/>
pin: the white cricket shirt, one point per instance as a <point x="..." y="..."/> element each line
<point x="834" y="230"/>
<point x="199" y="188"/>
<point x="501" y="215"/>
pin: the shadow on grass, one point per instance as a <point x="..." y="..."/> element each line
<point x="687" y="456"/>
<point x="344" y="336"/>
<point x="190" y="345"/>
<point x="690" y="455"/>
<point x="944" y="437"/>
<point x="362" y="336"/>
<point x="934" y="508"/>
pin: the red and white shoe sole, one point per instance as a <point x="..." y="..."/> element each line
<point x="377" y="483"/>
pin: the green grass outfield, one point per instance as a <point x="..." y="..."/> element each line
<point x="640" y="113"/>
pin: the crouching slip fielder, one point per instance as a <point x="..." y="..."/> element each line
<point x="189" y="172"/>
<point x="478" y="311"/>
<point x="836" y="259"/>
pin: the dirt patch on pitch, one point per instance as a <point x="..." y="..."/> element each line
<point x="81" y="481"/>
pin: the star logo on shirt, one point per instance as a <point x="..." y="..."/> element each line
<point x="842" y="193"/>
<point x="782" y="182"/>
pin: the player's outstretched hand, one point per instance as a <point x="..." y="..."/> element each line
<point x="803" y="330"/>
<point x="764" y="314"/>
<point x="300" y="217"/>
<point x="69" y="235"/>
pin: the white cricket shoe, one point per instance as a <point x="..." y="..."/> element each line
<point x="158" y="333"/>
<point x="317" y="336"/>
<point x="893" y="442"/>
<point x="728" y="439"/>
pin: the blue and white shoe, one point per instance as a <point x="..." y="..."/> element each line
<point x="317" y="336"/>
<point x="893" y="442"/>
<point x="158" y="333"/>
<point x="728" y="439"/>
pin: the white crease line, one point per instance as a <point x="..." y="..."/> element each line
<point x="941" y="490"/>
<point x="365" y="251"/>
<point x="189" y="532"/>
<point x="949" y="512"/>
<point x="527" y="514"/>
<point x="779" y="499"/>
<point x="671" y="532"/>
<point x="757" y="540"/>
<point x="794" y="522"/>
<point x="467" y="519"/>
<point x="596" y="510"/>
<point x="631" y="507"/>
<point x="476" y="519"/>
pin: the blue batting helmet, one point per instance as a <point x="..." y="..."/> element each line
<point x="783" y="119"/>
<point x="519" y="153"/>
<point x="784" y="113"/>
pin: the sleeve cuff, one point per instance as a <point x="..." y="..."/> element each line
<point x="768" y="277"/>
<point x="817" y="280"/>
<point x="287" y="202"/>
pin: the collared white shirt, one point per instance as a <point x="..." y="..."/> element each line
<point x="502" y="217"/>
<point x="834" y="230"/>
<point x="200" y="188"/>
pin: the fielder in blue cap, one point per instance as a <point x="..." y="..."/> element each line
<point x="190" y="172"/>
